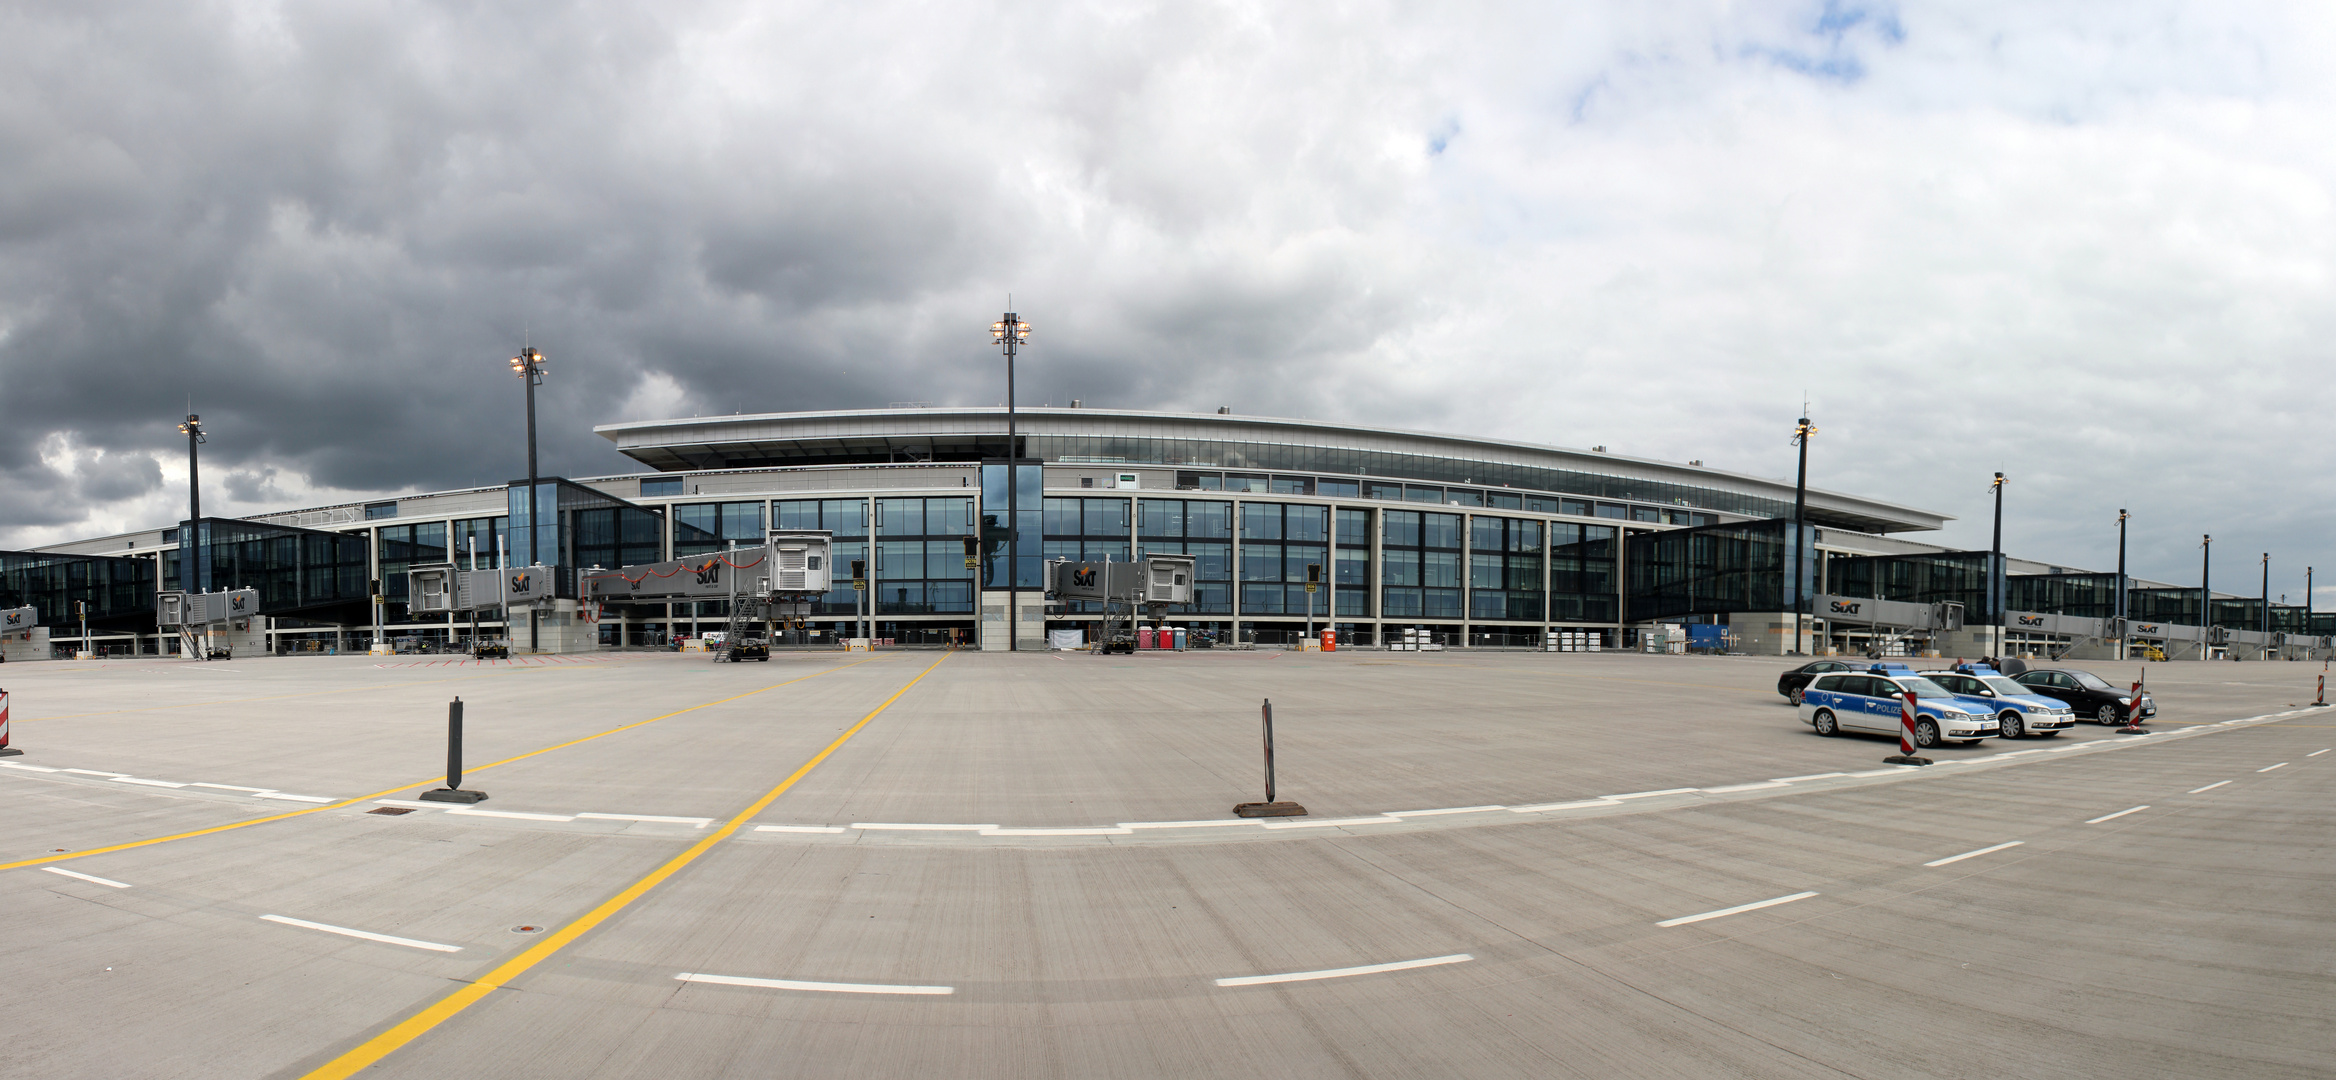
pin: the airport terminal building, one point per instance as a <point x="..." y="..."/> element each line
<point x="1480" y="542"/>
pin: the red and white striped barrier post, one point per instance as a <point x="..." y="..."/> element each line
<point x="5" y="749"/>
<point x="2133" y="713"/>
<point x="1906" y="719"/>
<point x="2319" y="700"/>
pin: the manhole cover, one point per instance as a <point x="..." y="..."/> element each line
<point x="392" y="811"/>
<point x="527" y="929"/>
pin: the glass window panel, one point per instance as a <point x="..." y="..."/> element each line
<point x="1354" y="527"/>
<point x="1208" y="519"/>
<point x="1484" y="571"/>
<point x="1296" y="557"/>
<point x="1610" y="510"/>
<point x="1400" y="603"/>
<point x="1375" y="490"/>
<point x="844" y="517"/>
<point x="1486" y="534"/>
<point x="1062" y="517"/>
<point x="1106" y="517"/>
<point x="1440" y="569"/>
<point x="1261" y="521"/>
<point x="1575" y="507"/>
<point x="1509" y="500"/>
<point x="1293" y="485"/>
<point x="901" y="517"/>
<point x="1440" y="530"/>
<point x="1645" y="513"/>
<point x="1464" y="496"/>
<point x="1261" y="562"/>
<point x="1398" y="567"/>
<point x="1211" y="561"/>
<point x="1440" y="603"/>
<point x="1306" y="523"/>
<point x="1402" y="527"/>
<point x="1354" y="567"/>
<point x="1340" y="489"/>
<point x="1421" y="493"/>
<point x="1261" y="599"/>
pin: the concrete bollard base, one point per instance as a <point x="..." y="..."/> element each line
<point x="464" y="795"/>
<point x="1270" y="809"/>
<point x="1905" y="759"/>
<point x="10" y="751"/>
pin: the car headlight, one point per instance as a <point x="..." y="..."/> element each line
<point x="2124" y="701"/>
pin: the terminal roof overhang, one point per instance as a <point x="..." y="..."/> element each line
<point x="781" y="440"/>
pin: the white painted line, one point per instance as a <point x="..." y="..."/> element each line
<point x="1340" y="973"/>
<point x="412" y="803"/>
<point x="1652" y="794"/>
<point x="2317" y="753"/>
<point x="1101" y="831"/>
<point x="833" y="988"/>
<point x="468" y="812"/>
<point x="346" y="932"/>
<point x="2115" y="816"/>
<point x="1811" y="776"/>
<point x="1212" y="824"/>
<point x="148" y="783"/>
<point x="231" y="787"/>
<point x="1891" y="771"/>
<point x="800" y="828"/>
<point x="2016" y="753"/>
<point x="2209" y="787"/>
<point x="27" y="768"/>
<point x="1732" y="788"/>
<point x="1539" y="807"/>
<point x="1737" y="910"/>
<point x="897" y="826"/>
<point x="700" y="822"/>
<point x="87" y="877"/>
<point x="293" y="798"/>
<point x="2281" y="765"/>
<point x="2065" y="749"/>
<point x="1324" y="823"/>
<point x="1973" y="854"/>
<point x="1447" y="810"/>
<point x="94" y="772"/>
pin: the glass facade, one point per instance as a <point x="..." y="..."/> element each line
<point x="920" y="557"/>
<point x="581" y="527"/>
<point x="1504" y="569"/>
<point x="1582" y="585"/>
<point x="481" y="536"/>
<point x="1201" y="528"/>
<point x="1025" y="530"/>
<point x="1419" y="567"/>
<point x="613" y="536"/>
<point x="1948" y="576"/>
<point x="702" y="527"/>
<point x="318" y="575"/>
<point x="398" y="547"/>
<point x="1279" y="541"/>
<point x="847" y="519"/>
<point x="119" y="592"/>
<point x="1713" y="570"/>
<point x="1088" y="529"/>
<point x="1352" y="571"/>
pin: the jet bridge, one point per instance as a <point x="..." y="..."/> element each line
<point x="774" y="582"/>
<point x="22" y="637"/>
<point x="210" y="624"/>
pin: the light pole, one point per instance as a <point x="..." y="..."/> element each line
<point x="2266" y="619"/>
<point x="1995" y="568"/>
<point x="194" y="432"/>
<point x="1009" y="333"/>
<point x="2205" y="595"/>
<point x="529" y="365"/>
<point x="2124" y="632"/>
<point x="1801" y="433"/>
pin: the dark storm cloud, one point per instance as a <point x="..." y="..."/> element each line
<point x="328" y="225"/>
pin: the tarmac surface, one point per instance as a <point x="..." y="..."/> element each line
<point x="1026" y="865"/>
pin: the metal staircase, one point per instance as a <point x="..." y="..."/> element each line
<point x="742" y="615"/>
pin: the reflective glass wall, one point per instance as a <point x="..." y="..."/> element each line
<point x="920" y="557"/>
<point x="1201" y="528"/>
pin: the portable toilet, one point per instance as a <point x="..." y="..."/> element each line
<point x="1329" y="640"/>
<point x="1180" y="638"/>
<point x="1143" y="637"/>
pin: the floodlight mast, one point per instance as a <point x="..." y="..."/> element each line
<point x="1801" y="433"/>
<point x="1009" y="332"/>
<point x="529" y="365"/>
<point x="193" y="427"/>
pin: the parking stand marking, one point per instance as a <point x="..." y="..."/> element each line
<point x="367" y="935"/>
<point x="2281" y="765"/>
<point x="2209" y="787"/>
<point x="2115" y="816"/>
<point x="1340" y="973"/>
<point x="2317" y="753"/>
<point x="86" y="877"/>
<point x="795" y="984"/>
<point x="1973" y="854"/>
<point x="1737" y="910"/>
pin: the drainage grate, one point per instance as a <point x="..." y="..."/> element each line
<point x="392" y="811"/>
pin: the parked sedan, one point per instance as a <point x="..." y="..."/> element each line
<point x="1874" y="703"/>
<point x="2019" y="710"/>
<point x="2088" y="694"/>
<point x="1791" y="683"/>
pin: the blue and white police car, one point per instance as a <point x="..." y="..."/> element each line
<point x="1868" y="701"/>
<point x="2018" y="710"/>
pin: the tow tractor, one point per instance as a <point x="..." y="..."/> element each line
<point x="748" y="648"/>
<point x="491" y="650"/>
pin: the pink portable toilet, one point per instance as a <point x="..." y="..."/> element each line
<point x="1143" y="637"/>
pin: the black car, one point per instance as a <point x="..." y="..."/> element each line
<point x="2088" y="694"/>
<point x="491" y="650"/>
<point x="1791" y="683"/>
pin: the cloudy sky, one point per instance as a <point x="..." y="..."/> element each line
<point x="2087" y="244"/>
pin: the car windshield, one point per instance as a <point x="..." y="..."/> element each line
<point x="2090" y="681"/>
<point x="2002" y="685"/>
<point x="1923" y="688"/>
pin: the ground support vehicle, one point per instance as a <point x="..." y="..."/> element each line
<point x="1871" y="702"/>
<point x="749" y="649"/>
<point x="2089" y="694"/>
<point x="2018" y="710"/>
<point x="491" y="650"/>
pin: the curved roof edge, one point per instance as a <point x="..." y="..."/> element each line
<point x="846" y="423"/>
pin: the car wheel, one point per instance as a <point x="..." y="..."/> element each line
<point x="1794" y="697"/>
<point x="2107" y="716"/>
<point x="2012" y="727"/>
<point x="1926" y="734"/>
<point x="1825" y="724"/>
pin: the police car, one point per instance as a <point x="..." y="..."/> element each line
<point x="2018" y="710"/>
<point x="1869" y="701"/>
